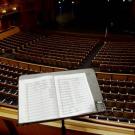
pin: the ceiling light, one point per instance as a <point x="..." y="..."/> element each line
<point x="14" y="8"/>
<point x="4" y="11"/>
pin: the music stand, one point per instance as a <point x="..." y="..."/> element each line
<point x="63" y="129"/>
<point x="66" y="88"/>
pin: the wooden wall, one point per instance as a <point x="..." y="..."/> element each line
<point x="9" y="18"/>
<point x="28" y="10"/>
<point x="133" y="9"/>
<point x="35" y="12"/>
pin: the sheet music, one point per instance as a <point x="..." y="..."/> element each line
<point x="57" y="95"/>
<point x="40" y="100"/>
<point x="74" y="94"/>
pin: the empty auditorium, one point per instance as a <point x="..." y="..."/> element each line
<point x="48" y="36"/>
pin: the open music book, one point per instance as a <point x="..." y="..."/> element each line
<point x="56" y="95"/>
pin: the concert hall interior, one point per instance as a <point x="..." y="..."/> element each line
<point x="41" y="36"/>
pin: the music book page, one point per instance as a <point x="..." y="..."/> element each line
<point x="74" y="95"/>
<point x="39" y="99"/>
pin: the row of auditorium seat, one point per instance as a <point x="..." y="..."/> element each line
<point x="118" y="89"/>
<point x="113" y="62"/>
<point x="119" y="68"/>
<point x="117" y="116"/>
<point x="46" y="61"/>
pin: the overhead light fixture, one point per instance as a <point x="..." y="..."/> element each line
<point x="59" y="2"/>
<point x="14" y="8"/>
<point x="73" y="2"/>
<point x="4" y="11"/>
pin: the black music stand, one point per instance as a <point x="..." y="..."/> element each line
<point x="63" y="128"/>
<point x="92" y="100"/>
